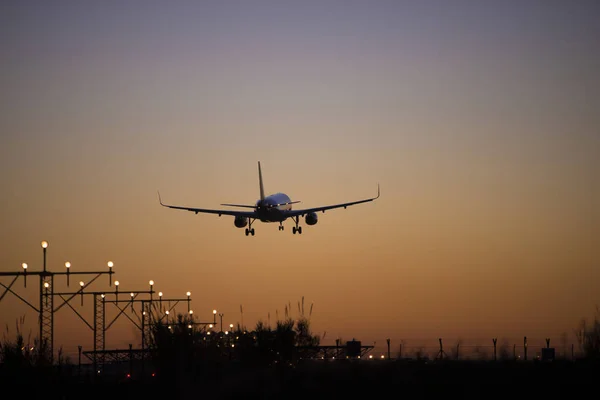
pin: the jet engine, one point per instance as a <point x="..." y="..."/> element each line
<point x="311" y="218"/>
<point x="240" y="221"/>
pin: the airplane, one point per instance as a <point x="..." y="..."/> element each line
<point x="273" y="208"/>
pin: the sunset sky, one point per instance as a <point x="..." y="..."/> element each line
<point x="479" y="119"/>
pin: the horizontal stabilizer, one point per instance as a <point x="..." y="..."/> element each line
<point x="284" y="204"/>
<point x="238" y="205"/>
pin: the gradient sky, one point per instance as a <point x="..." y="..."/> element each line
<point x="478" y="118"/>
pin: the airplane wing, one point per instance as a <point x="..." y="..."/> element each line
<point x="247" y="214"/>
<point x="293" y="213"/>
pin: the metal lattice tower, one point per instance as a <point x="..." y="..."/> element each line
<point x="146" y="323"/>
<point x="99" y="321"/>
<point x="46" y="315"/>
<point x="99" y="328"/>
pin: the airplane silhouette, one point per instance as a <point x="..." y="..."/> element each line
<point x="273" y="208"/>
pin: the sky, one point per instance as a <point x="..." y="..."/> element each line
<point x="478" y="119"/>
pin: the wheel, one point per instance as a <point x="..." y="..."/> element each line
<point x="300" y="230"/>
<point x="247" y="232"/>
<point x="294" y="230"/>
<point x="252" y="231"/>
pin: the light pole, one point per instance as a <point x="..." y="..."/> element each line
<point x="45" y="309"/>
<point x="110" y="265"/>
<point x="24" y="265"/>
<point x="214" y="317"/>
<point x="221" y="323"/>
<point x="44" y="247"/>
<point x="68" y="266"/>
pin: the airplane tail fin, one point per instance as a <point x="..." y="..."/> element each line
<point x="260" y="182"/>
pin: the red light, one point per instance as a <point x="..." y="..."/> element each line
<point x="129" y="375"/>
<point x="153" y="374"/>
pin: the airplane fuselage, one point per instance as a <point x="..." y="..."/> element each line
<point x="274" y="208"/>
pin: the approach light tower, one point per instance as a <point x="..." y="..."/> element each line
<point x="46" y="297"/>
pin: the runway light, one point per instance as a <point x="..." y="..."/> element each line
<point x="44" y="244"/>
<point x="24" y="265"/>
<point x="214" y="311"/>
<point x="132" y="294"/>
<point x="68" y="265"/>
<point x="116" y="283"/>
<point x="110" y="264"/>
<point x="189" y="294"/>
<point x="81" y="283"/>
<point x="159" y="294"/>
<point x="151" y="283"/>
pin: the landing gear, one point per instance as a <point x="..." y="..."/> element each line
<point x="250" y="229"/>
<point x="280" y="227"/>
<point x="297" y="228"/>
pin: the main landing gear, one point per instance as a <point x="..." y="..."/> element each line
<point x="250" y="229"/>
<point x="296" y="228"/>
<point x="280" y="227"/>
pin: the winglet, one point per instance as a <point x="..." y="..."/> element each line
<point x="377" y="191"/>
<point x="159" y="199"/>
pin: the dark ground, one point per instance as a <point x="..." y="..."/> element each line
<point x="336" y="379"/>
